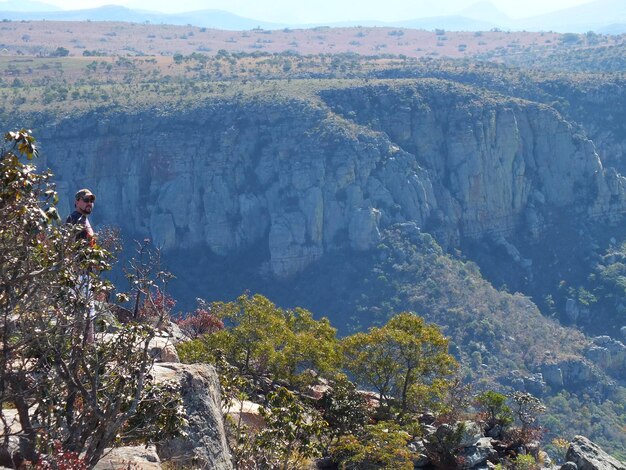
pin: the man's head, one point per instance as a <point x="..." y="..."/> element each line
<point x="84" y="200"/>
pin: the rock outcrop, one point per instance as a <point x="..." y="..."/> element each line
<point x="304" y="177"/>
<point x="204" y="445"/>
<point x="609" y="354"/>
<point x="137" y="457"/>
<point x="588" y="456"/>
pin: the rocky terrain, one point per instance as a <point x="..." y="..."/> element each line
<point x="306" y="177"/>
<point x="362" y="196"/>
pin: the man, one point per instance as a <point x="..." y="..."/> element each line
<point x="83" y="205"/>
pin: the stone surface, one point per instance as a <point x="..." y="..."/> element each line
<point x="578" y="372"/>
<point x="135" y="457"/>
<point x="477" y="454"/>
<point x="469" y="436"/>
<point x="247" y="412"/>
<point x="302" y="178"/>
<point x="162" y="349"/>
<point x="204" y="446"/>
<point x="472" y="433"/>
<point x="11" y="454"/>
<point x="588" y="456"/>
<point x="608" y="353"/>
<point x="553" y="375"/>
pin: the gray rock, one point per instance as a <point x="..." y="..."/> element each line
<point x="535" y="384"/>
<point x="428" y="429"/>
<point x="518" y="384"/>
<point x="608" y="353"/>
<point x="204" y="446"/>
<point x="363" y="228"/>
<point x="571" y="310"/>
<point x="290" y="175"/>
<point x="418" y="448"/>
<point x="553" y="375"/>
<point x="495" y="432"/>
<point x="477" y="454"/>
<point x="569" y="466"/>
<point x="136" y="457"/>
<point x="577" y="372"/>
<point x="588" y="456"/>
<point x="175" y="333"/>
<point x="600" y="356"/>
<point x="11" y="454"/>
<point x="163" y="350"/>
<point x="472" y="433"/>
<point x="469" y="436"/>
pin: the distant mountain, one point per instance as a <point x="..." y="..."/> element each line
<point x="617" y="28"/>
<point x="220" y="19"/>
<point x="451" y="23"/>
<point x="205" y="18"/>
<point x="486" y="12"/>
<point x="26" y="5"/>
<point x="606" y="16"/>
<point x="596" y="16"/>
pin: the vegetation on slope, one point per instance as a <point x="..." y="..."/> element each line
<point x="293" y="367"/>
<point x="498" y="338"/>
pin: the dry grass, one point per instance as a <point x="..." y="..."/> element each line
<point x="115" y="38"/>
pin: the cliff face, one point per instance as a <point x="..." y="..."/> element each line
<point x="306" y="176"/>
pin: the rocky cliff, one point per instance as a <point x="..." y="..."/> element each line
<point x="305" y="175"/>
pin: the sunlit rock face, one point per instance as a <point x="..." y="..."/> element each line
<point x="303" y="177"/>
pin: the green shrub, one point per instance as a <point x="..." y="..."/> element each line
<point x="383" y="445"/>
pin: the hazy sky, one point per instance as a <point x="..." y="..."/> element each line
<point x="330" y="10"/>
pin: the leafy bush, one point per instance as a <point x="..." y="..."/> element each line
<point x="195" y="351"/>
<point x="292" y="431"/>
<point x="343" y="408"/>
<point x="494" y="409"/>
<point x="260" y="339"/>
<point x="525" y="462"/>
<point x="200" y="322"/>
<point x="383" y="445"/>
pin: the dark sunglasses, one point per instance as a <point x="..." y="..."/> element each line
<point x="88" y="199"/>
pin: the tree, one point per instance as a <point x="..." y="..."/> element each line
<point x="69" y="392"/>
<point x="343" y="408"/>
<point x="261" y="339"/>
<point x="404" y="354"/>
<point x="200" y="322"/>
<point x="60" y="52"/>
<point x="291" y="431"/>
<point x="494" y="409"/>
<point x="527" y="408"/>
<point x="371" y="358"/>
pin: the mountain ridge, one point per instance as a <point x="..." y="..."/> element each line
<point x="599" y="16"/>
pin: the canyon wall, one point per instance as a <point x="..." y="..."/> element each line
<point x="304" y="176"/>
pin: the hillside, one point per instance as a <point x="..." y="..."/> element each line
<point x="32" y="38"/>
<point x="361" y="186"/>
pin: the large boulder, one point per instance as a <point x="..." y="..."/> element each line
<point x="162" y="349"/>
<point x="477" y="454"/>
<point x="204" y="445"/>
<point x="588" y="456"/>
<point x="246" y="413"/>
<point x="136" y="457"/>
